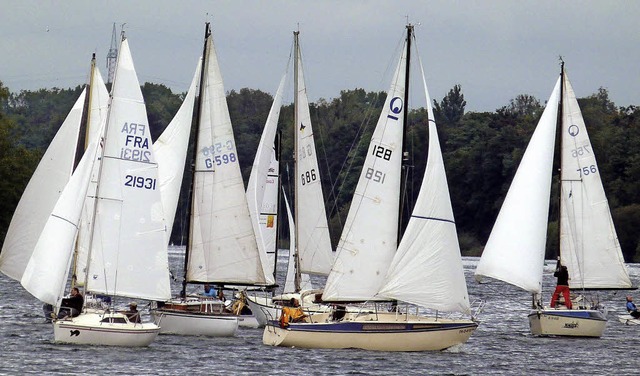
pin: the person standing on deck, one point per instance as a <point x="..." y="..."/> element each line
<point x="562" y="286"/>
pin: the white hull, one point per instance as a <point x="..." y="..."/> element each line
<point x="567" y="322"/>
<point x="384" y="332"/>
<point x="628" y="320"/>
<point x="265" y="309"/>
<point x="195" y="324"/>
<point x="108" y="329"/>
<point x="248" y="321"/>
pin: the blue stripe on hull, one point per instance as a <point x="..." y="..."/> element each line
<point x="373" y="327"/>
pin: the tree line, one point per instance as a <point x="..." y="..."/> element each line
<point x="481" y="151"/>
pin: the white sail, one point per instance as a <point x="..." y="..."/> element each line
<point x="305" y="279"/>
<point x="369" y="238"/>
<point x="223" y="245"/>
<point x="128" y="254"/>
<point x="429" y="254"/>
<point x="262" y="189"/>
<point x="46" y="273"/>
<point x="515" y="250"/>
<point x="589" y="244"/>
<point x="41" y="194"/>
<point x="98" y="110"/>
<point x="314" y="244"/>
<point x="171" y="152"/>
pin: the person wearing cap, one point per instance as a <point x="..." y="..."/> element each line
<point x="133" y="314"/>
<point x="631" y="308"/>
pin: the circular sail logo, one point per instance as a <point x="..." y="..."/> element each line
<point x="573" y="130"/>
<point x="396" y="105"/>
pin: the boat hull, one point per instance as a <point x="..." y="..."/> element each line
<point x="386" y="332"/>
<point x="567" y="322"/>
<point x="628" y="320"/>
<point x="105" y="330"/>
<point x="195" y="324"/>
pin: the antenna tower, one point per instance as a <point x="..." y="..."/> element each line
<point x="112" y="56"/>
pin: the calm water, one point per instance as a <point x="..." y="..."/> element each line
<point x="501" y="345"/>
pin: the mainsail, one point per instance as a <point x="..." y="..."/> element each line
<point x="589" y="244"/>
<point x="369" y="238"/>
<point x="128" y="255"/>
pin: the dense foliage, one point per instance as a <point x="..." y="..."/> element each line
<point x="481" y="151"/>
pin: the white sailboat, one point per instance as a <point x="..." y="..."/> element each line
<point x="310" y="243"/>
<point x="425" y="269"/>
<point x="127" y="255"/>
<point x="589" y="245"/>
<point x="222" y="248"/>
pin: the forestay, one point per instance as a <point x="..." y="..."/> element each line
<point x="589" y="244"/>
<point x="515" y="250"/>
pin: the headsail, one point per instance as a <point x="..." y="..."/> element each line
<point x="369" y="238"/>
<point x="40" y="195"/>
<point x="428" y="256"/>
<point x="515" y="250"/>
<point x="171" y="152"/>
<point x="589" y="244"/>
<point x="46" y="273"/>
<point x="263" y="188"/>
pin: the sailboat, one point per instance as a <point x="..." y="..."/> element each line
<point x="310" y="244"/>
<point x="222" y="249"/>
<point x="425" y="269"/>
<point x="589" y="245"/>
<point x="128" y="253"/>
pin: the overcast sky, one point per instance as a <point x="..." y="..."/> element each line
<point x="495" y="49"/>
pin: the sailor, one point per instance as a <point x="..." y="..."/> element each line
<point x="562" y="286"/>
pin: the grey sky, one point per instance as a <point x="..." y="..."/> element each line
<point x="494" y="49"/>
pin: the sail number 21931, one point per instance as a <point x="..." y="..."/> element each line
<point x="140" y="182"/>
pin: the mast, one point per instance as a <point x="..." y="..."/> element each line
<point x="278" y="150"/>
<point x="81" y="146"/>
<point x="296" y="51"/>
<point x="560" y="117"/>
<point x="405" y="155"/>
<point x="207" y="34"/>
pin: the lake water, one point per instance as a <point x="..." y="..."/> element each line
<point x="502" y="344"/>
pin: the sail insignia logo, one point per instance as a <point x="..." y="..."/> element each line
<point x="395" y="106"/>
